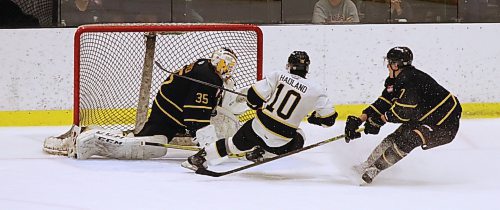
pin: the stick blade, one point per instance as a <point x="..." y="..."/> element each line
<point x="203" y="171"/>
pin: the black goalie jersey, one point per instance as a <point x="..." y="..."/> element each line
<point x="183" y="104"/>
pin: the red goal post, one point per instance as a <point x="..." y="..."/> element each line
<point x="115" y="81"/>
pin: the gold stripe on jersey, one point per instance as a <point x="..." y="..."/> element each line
<point x="435" y="108"/>
<point x="169" y="101"/>
<point x="197" y="120"/>
<point x="197" y="107"/>
<point x="384" y="99"/>
<point x="270" y="131"/>
<point x="168" y="115"/>
<point x="258" y="94"/>
<point x="266" y="112"/>
<point x="449" y="112"/>
<point x="376" y="110"/>
<point x="405" y="105"/>
<point x="276" y="127"/>
<point x="400" y="118"/>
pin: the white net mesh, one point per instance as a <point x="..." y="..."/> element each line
<point x="111" y="60"/>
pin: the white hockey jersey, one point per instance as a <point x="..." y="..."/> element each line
<point x="288" y="98"/>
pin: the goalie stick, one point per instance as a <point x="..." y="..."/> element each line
<point x="204" y="171"/>
<point x="187" y="148"/>
<point x="173" y="146"/>
<point x="199" y="81"/>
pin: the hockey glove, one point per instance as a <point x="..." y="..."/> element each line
<point x="313" y="119"/>
<point x="351" y="125"/>
<point x="191" y="132"/>
<point x="373" y="124"/>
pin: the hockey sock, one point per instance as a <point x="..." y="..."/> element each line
<point x="379" y="150"/>
<point x="390" y="156"/>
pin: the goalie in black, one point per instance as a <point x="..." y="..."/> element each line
<point x="428" y="113"/>
<point x="180" y="106"/>
<point x="282" y="100"/>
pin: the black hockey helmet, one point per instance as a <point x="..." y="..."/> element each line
<point x="402" y="56"/>
<point x="298" y="63"/>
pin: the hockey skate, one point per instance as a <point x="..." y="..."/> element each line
<point x="356" y="172"/>
<point x="196" y="161"/>
<point x="369" y="174"/>
<point x="360" y="168"/>
<point x="255" y="155"/>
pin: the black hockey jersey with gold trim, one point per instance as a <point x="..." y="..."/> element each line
<point x="184" y="103"/>
<point x="414" y="96"/>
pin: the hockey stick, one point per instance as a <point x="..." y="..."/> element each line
<point x="199" y="81"/>
<point x="204" y="171"/>
<point x="188" y="148"/>
<point x="173" y="146"/>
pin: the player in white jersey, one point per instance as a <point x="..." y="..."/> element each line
<point x="282" y="100"/>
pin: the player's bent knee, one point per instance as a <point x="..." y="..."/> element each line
<point x="297" y="142"/>
<point x="408" y="141"/>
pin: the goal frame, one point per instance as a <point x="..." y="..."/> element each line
<point x="154" y="28"/>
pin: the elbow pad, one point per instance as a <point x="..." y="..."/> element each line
<point x="253" y="100"/>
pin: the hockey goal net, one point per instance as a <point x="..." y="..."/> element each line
<point x="115" y="77"/>
<point x="116" y="81"/>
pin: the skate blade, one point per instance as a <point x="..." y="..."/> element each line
<point x="187" y="165"/>
<point x="355" y="175"/>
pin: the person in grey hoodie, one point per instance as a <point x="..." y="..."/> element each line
<point x="335" y="11"/>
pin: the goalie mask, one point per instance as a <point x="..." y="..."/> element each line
<point x="224" y="61"/>
<point x="298" y="63"/>
<point x="402" y="56"/>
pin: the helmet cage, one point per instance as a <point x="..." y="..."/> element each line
<point x="224" y="61"/>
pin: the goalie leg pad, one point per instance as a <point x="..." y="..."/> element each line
<point x="226" y="124"/>
<point x="59" y="145"/>
<point x="106" y="144"/>
<point x="205" y="136"/>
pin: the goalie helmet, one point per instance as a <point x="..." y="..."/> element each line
<point x="402" y="56"/>
<point x="224" y="61"/>
<point x="298" y="63"/>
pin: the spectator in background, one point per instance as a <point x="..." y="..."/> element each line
<point x="386" y="11"/>
<point x="335" y="11"/>
<point x="400" y="11"/>
<point x="89" y="11"/>
<point x="11" y="16"/>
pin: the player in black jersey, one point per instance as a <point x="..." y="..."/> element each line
<point x="182" y="105"/>
<point x="428" y="113"/>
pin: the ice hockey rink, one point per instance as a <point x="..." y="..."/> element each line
<point x="460" y="175"/>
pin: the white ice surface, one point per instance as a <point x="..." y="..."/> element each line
<point x="462" y="175"/>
